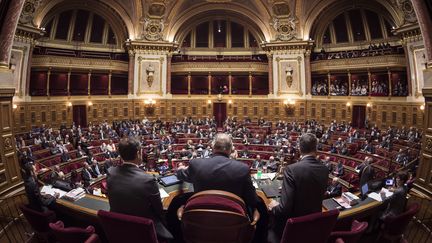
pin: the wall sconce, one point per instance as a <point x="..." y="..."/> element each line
<point x="14" y="106"/>
<point x="369" y="107"/>
<point x="149" y="102"/>
<point x="422" y="107"/>
<point x="348" y="105"/>
<point x="89" y="105"/>
<point x="69" y="105"/>
<point x="230" y="103"/>
<point x="289" y="106"/>
<point x="289" y="78"/>
<point x="209" y="102"/>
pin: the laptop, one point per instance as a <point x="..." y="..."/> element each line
<point x="389" y="182"/>
<point x="270" y="191"/>
<point x="169" y="180"/>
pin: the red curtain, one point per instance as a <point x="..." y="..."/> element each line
<point x="80" y="115"/>
<point x="220" y="113"/>
<point x="359" y="116"/>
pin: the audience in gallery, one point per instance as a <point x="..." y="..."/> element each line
<point x="374" y="50"/>
<point x="319" y="87"/>
<point x="359" y="87"/>
<point x="379" y="88"/>
<point x="338" y="88"/>
<point x="158" y="138"/>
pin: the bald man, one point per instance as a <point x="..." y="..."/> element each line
<point x="219" y="172"/>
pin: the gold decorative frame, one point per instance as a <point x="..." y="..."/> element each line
<point x="279" y="61"/>
<point x="140" y="76"/>
<point x="22" y="50"/>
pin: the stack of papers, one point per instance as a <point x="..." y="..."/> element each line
<point x="377" y="196"/>
<point x="163" y="193"/>
<point x="265" y="176"/>
<point x="75" y="194"/>
<point x="52" y="191"/>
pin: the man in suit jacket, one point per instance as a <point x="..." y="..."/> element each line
<point x="219" y="172"/>
<point x="303" y="188"/>
<point x="334" y="189"/>
<point x="131" y="191"/>
<point x="366" y="171"/>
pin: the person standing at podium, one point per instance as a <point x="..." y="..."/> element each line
<point x="303" y="188"/>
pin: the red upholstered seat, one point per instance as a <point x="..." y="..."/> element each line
<point x="216" y="216"/>
<point x="94" y="238"/>
<point x="39" y="221"/>
<point x="70" y="234"/>
<point x="393" y="227"/>
<point x="126" y="228"/>
<point x="216" y="203"/>
<point x="300" y="229"/>
<point x="352" y="236"/>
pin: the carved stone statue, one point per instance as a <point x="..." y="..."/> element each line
<point x="289" y="77"/>
<point x="150" y="75"/>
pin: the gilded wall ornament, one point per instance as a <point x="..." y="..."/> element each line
<point x="153" y="29"/>
<point x="286" y="28"/>
<point x="405" y="6"/>
<point x="428" y="145"/>
<point x="28" y="12"/>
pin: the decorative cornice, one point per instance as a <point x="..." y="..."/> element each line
<point x="219" y="66"/>
<point x="79" y="63"/>
<point x="28" y="34"/>
<point x="151" y="47"/>
<point x="359" y="63"/>
<point x="409" y="33"/>
<point x="8" y="92"/>
<point x="285" y="46"/>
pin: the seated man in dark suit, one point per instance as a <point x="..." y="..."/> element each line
<point x="334" y="189"/>
<point x="303" y="188"/>
<point x="220" y="173"/>
<point x="131" y="191"/>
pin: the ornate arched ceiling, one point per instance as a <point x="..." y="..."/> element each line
<point x="156" y="20"/>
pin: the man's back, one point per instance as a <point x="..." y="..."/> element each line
<point x="220" y="173"/>
<point x="132" y="192"/>
<point x="305" y="183"/>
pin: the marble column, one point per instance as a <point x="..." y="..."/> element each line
<point x="168" y="79"/>
<point x="8" y="30"/>
<point x="270" y="72"/>
<point x="308" y="75"/>
<point x="131" y="72"/>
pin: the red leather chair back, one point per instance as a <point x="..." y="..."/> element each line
<point x="352" y="236"/>
<point x="39" y="221"/>
<point x="70" y="234"/>
<point x="209" y="217"/>
<point x="396" y="225"/>
<point x="126" y="228"/>
<point x="299" y="230"/>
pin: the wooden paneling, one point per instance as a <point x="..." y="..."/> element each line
<point x="170" y="109"/>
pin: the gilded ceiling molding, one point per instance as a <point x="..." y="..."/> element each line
<point x="174" y="26"/>
<point x="109" y="9"/>
<point x="140" y="47"/>
<point x="325" y="11"/>
<point x="298" y="47"/>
